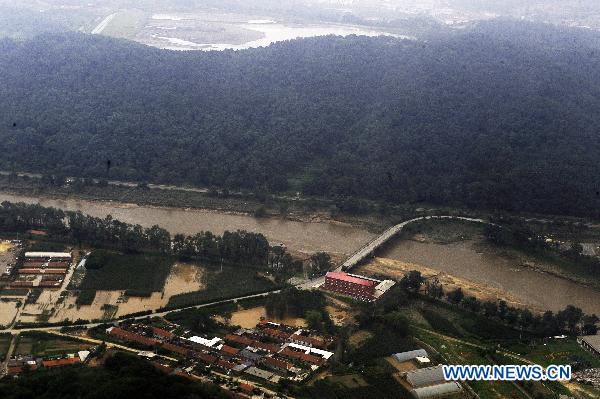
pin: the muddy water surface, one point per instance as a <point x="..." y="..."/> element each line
<point x="299" y="236"/>
<point x="466" y="261"/>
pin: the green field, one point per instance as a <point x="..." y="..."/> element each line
<point x="46" y="345"/>
<point x="118" y="271"/>
<point x="554" y="351"/>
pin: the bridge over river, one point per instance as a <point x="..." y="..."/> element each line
<point x="369" y="249"/>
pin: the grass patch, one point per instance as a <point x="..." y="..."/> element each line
<point x="443" y="231"/>
<point x="383" y="342"/>
<point x="113" y="271"/>
<point x="47" y="345"/>
<point x="555" y="351"/>
<point x="231" y="282"/>
<point x="440" y="323"/>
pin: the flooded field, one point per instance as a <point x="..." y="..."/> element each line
<point x="303" y="237"/>
<point x="466" y="261"/>
<point x="8" y="310"/>
<point x="248" y="318"/>
<point x="183" y="278"/>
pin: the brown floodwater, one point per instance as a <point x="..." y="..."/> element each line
<point x="305" y="237"/>
<point x="464" y="260"/>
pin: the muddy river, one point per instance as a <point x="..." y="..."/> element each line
<point x="464" y="260"/>
<point x="299" y="236"/>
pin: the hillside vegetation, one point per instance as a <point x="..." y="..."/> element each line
<point x="503" y="115"/>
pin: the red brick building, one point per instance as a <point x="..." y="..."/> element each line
<point x="356" y="287"/>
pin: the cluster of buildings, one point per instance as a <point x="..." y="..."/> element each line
<point x="43" y="270"/>
<point x="18" y="364"/>
<point x="358" y="287"/>
<point x="420" y="378"/>
<point x="269" y="352"/>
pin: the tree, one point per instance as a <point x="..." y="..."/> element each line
<point x="434" y="288"/>
<point x="319" y="263"/>
<point x="455" y="296"/>
<point x="412" y="281"/>
<point x="569" y="318"/>
<point x="314" y="320"/>
<point x="471" y="303"/>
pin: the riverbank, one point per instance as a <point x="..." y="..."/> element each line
<point x="338" y="239"/>
<point x="304" y="210"/>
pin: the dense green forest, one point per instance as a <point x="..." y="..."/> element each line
<point x="503" y="115"/>
<point x="120" y="377"/>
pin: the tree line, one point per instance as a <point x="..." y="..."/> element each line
<point x="571" y="320"/>
<point x="237" y="248"/>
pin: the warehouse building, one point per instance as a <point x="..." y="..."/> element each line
<point x="430" y="383"/>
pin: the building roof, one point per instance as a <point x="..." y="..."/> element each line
<point x="276" y="333"/>
<point x="280" y="364"/>
<point x="238" y="339"/>
<point x="65" y="255"/>
<point x="246" y="354"/>
<point x="175" y="348"/>
<point x="206" y="358"/>
<point x="229" y="350"/>
<point x="311" y="341"/>
<point x="406" y="356"/>
<point x="162" y="333"/>
<point x="38" y="232"/>
<point x="246" y="388"/>
<point x="204" y="341"/>
<point x="131" y="336"/>
<point x="427" y="376"/>
<point x="265" y="346"/>
<point x="226" y="365"/>
<point x="60" y="362"/>
<point x="593" y="341"/>
<point x="256" y="372"/>
<point x="350" y="279"/>
<point x="307" y="349"/>
<point x="83" y="355"/>
<point x="438" y="390"/>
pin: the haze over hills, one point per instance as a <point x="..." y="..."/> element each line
<point x="219" y="24"/>
<point x="483" y="118"/>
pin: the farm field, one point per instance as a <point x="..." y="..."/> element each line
<point x="45" y="345"/>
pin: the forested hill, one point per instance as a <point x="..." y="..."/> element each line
<point x="504" y="115"/>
